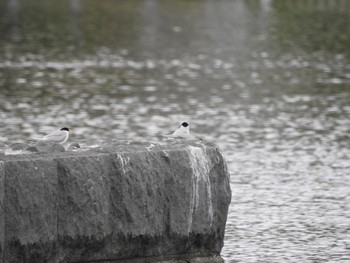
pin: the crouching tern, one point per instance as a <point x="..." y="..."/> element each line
<point x="182" y="133"/>
<point x="60" y="136"/>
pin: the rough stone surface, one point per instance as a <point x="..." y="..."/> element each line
<point x="2" y="214"/>
<point x="18" y="146"/>
<point x="116" y="203"/>
<point x="83" y="206"/>
<point x="30" y="210"/>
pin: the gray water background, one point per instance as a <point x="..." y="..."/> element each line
<point x="268" y="81"/>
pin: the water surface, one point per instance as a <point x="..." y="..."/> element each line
<point x="268" y="81"/>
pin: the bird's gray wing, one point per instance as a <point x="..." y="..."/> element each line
<point x="55" y="136"/>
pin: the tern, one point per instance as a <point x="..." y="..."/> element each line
<point x="60" y="136"/>
<point x="183" y="132"/>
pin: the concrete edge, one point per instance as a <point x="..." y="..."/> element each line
<point x="206" y="257"/>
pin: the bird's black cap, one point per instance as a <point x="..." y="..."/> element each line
<point x="65" y="129"/>
<point x="185" y="124"/>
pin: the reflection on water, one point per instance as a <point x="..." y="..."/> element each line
<point x="268" y="81"/>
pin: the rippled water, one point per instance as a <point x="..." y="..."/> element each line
<point x="268" y="81"/>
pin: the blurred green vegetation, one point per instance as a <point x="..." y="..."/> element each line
<point x="57" y="26"/>
<point x="61" y="28"/>
<point x="321" y="25"/>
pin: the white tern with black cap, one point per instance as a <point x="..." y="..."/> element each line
<point x="60" y="136"/>
<point x="183" y="132"/>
